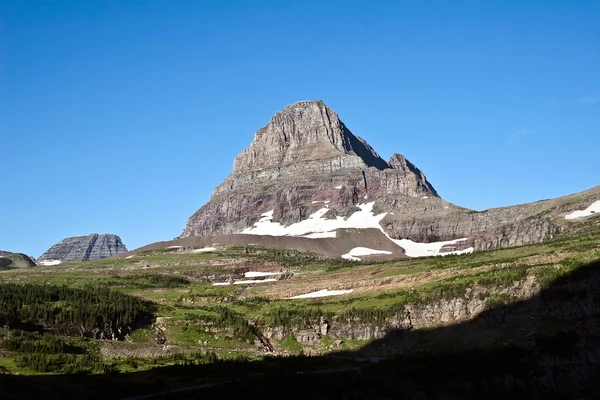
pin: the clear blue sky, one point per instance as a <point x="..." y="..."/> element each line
<point x="122" y="116"/>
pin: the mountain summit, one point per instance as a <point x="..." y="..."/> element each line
<point x="306" y="131"/>
<point x="303" y="157"/>
<point x="83" y="248"/>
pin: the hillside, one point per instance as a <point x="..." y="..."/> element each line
<point x="245" y="302"/>
<point x="14" y="260"/>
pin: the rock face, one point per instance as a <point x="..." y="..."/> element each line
<point x="14" y="260"/>
<point x="83" y="248"/>
<point x="305" y="158"/>
<point x="304" y="155"/>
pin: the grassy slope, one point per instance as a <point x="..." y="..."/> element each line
<point x="381" y="291"/>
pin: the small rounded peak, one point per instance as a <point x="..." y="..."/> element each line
<point x="308" y="110"/>
<point x="397" y="160"/>
<point x="303" y="105"/>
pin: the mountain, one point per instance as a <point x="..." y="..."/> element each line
<point x="303" y="157"/>
<point x="306" y="175"/>
<point x="83" y="248"/>
<point x="14" y="260"/>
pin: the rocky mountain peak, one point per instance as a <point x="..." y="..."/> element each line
<point x="307" y="131"/>
<point x="83" y="248"/>
<point x="399" y="163"/>
<point x="303" y="158"/>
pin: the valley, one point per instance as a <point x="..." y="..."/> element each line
<point x="234" y="303"/>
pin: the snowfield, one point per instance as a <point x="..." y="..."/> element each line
<point x="591" y="210"/>
<point x="322" y="293"/>
<point x="362" y="251"/>
<point x="256" y="274"/>
<point x="315" y="226"/>
<point x="47" y="263"/>
<point x="247" y="281"/>
<point x="204" y="250"/>
<point x="415" y="249"/>
<point x="315" y="223"/>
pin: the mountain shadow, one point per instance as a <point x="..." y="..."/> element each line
<point x="546" y="347"/>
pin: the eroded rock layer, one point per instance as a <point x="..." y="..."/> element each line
<point x="83" y="248"/>
<point x="303" y="157"/>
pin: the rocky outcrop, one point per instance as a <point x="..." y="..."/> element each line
<point x="305" y="158"/>
<point x="83" y="248"/>
<point x="429" y="315"/>
<point x="14" y="260"/>
<point x="433" y="219"/>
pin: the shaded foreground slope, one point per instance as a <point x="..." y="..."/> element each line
<point x="541" y="348"/>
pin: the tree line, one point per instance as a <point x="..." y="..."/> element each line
<point x="91" y="312"/>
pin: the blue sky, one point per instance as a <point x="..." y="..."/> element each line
<point x="122" y="116"/>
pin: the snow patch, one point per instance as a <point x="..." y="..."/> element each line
<point x="365" y="251"/>
<point x="415" y="249"/>
<point x="47" y="263"/>
<point x="349" y="257"/>
<point x="256" y="274"/>
<point x="174" y="247"/>
<point x="338" y="187"/>
<point x="266" y="217"/>
<point x="247" y="281"/>
<point x="130" y="256"/>
<point x="204" y="250"/>
<point x="591" y="210"/>
<point x="315" y="223"/>
<point x="322" y="293"/>
<point x="315" y="226"/>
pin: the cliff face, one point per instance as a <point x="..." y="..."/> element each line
<point x="305" y="160"/>
<point x="83" y="248"/>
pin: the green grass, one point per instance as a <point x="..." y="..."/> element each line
<point x="198" y="315"/>
<point x="290" y="343"/>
